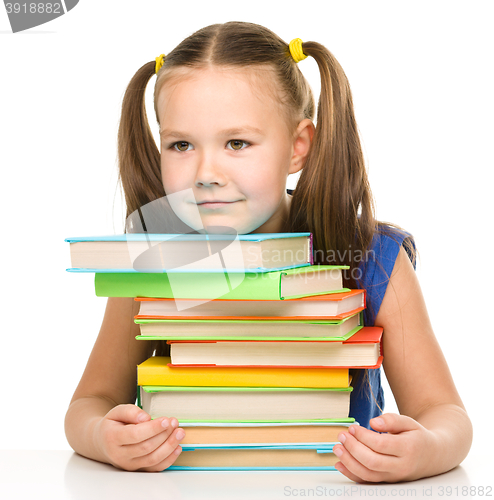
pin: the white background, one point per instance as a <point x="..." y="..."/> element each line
<point x="421" y="75"/>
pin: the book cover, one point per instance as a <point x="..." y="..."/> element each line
<point x="223" y="433"/>
<point x="147" y="252"/>
<point x="362" y="350"/>
<point x="254" y="404"/>
<point x="326" y="306"/>
<point x="235" y="457"/>
<point x="275" y="285"/>
<point x="230" y="329"/>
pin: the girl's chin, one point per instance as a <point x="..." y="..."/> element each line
<point x="224" y="225"/>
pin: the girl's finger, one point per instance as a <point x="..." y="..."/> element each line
<point x="394" y="423"/>
<point x="353" y="466"/>
<point x="341" y="468"/>
<point x="148" y="446"/>
<point x="364" y="455"/>
<point x="128" y="414"/>
<point x="362" y="461"/>
<point x="161" y="453"/>
<point x="386" y="444"/>
<point x="134" y="434"/>
<point x="167" y="462"/>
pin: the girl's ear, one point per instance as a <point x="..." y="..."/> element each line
<point x="301" y="145"/>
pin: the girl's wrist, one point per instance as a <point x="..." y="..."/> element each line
<point x="442" y="449"/>
<point x="95" y="431"/>
<point x="430" y="452"/>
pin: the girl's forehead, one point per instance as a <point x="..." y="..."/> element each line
<point x="260" y="79"/>
<point x="235" y="85"/>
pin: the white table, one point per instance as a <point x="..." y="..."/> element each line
<point x="54" y="475"/>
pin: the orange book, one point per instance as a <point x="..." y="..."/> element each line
<point x="266" y="433"/>
<point x="335" y="306"/>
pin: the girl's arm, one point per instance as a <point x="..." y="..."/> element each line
<point x="102" y="422"/>
<point x="433" y="433"/>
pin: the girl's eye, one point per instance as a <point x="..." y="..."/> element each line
<point x="182" y="146"/>
<point x="237" y="144"/>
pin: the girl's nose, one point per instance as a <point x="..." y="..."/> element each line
<point x="209" y="172"/>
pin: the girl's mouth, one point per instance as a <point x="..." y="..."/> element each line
<point x="215" y="204"/>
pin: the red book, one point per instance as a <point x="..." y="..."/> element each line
<point x="362" y="350"/>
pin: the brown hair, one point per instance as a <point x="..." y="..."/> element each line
<point x="332" y="199"/>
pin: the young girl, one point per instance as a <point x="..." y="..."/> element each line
<point x="236" y="118"/>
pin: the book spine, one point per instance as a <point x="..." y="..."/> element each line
<point x="311" y="249"/>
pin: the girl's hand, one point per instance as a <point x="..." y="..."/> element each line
<point x="400" y="454"/>
<point x="132" y="441"/>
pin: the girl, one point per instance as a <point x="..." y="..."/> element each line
<point x="236" y="118"/>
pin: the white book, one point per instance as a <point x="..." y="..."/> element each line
<point x="245" y="403"/>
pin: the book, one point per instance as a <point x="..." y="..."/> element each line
<point x="292" y="457"/>
<point x="274" y="285"/>
<point x="327" y="306"/>
<point x="248" y="404"/>
<point x="156" y="370"/>
<point x="235" y="291"/>
<point x="176" y="329"/>
<point x="222" y="433"/>
<point x="147" y="252"/>
<point x="361" y="350"/>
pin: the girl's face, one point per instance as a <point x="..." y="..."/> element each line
<point x="226" y="151"/>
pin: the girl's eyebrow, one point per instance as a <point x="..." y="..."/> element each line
<point x="227" y="132"/>
<point x="241" y="130"/>
<point x="173" y="133"/>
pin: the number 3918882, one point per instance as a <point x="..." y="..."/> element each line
<point x="34" y="8"/>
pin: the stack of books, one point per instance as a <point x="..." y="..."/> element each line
<point x="260" y="348"/>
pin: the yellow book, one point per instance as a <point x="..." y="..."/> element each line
<point x="155" y="371"/>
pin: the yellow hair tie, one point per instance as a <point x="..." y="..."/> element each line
<point x="296" y="51"/>
<point x="159" y="62"/>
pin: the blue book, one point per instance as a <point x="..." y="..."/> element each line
<point x="181" y="253"/>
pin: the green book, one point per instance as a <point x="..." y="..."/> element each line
<point x="204" y="329"/>
<point x="275" y="285"/>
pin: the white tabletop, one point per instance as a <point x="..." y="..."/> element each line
<point x="65" y="475"/>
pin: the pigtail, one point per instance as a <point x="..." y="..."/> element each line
<point x="333" y="185"/>
<point x="138" y="155"/>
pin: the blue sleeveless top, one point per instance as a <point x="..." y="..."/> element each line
<point x="367" y="398"/>
<point x="376" y="266"/>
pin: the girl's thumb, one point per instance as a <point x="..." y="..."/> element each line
<point x="128" y="414"/>
<point x="393" y="423"/>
